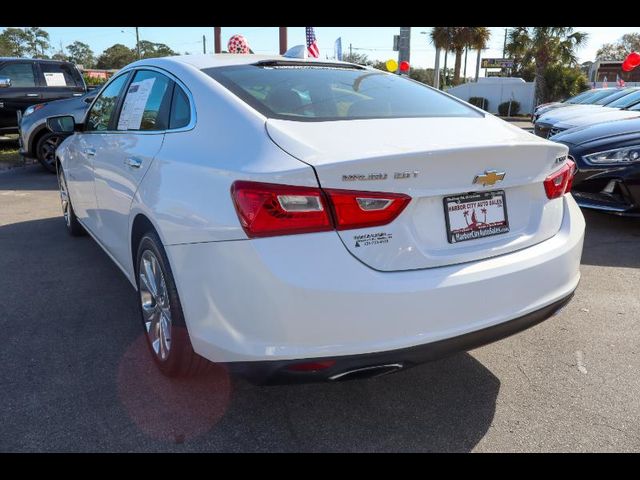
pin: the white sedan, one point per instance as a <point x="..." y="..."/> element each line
<point x="310" y="220"/>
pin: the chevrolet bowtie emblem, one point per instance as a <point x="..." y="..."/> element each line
<point x="489" y="177"/>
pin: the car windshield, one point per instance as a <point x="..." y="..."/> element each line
<point x="304" y="92"/>
<point x="626" y="101"/>
<point x="612" y="98"/>
<point x="580" y="98"/>
<point x="598" y="95"/>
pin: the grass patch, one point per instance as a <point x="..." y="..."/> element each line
<point x="9" y="155"/>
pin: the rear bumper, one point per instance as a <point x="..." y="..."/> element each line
<point x="304" y="296"/>
<point x="376" y="364"/>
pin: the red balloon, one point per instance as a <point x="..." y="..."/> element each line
<point x="633" y="59"/>
<point x="626" y="67"/>
<point x="404" y="66"/>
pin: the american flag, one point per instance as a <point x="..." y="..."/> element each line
<point x="312" y="45"/>
<point x="619" y="81"/>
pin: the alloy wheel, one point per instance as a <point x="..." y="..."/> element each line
<point x="154" y="299"/>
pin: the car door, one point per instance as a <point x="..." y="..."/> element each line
<point x="59" y="80"/>
<point x="22" y="92"/>
<point x="88" y="145"/>
<point x="127" y="154"/>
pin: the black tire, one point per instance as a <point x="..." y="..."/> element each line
<point x="74" y="227"/>
<point x="181" y="360"/>
<point x="46" y="150"/>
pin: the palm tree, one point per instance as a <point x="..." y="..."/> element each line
<point x="441" y="38"/>
<point x="460" y="37"/>
<point x="544" y="46"/>
<point x="478" y="40"/>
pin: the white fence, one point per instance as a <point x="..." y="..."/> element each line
<point x="498" y="90"/>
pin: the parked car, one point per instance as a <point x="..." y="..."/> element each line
<point x="608" y="160"/>
<point x="36" y="140"/>
<point x="315" y="220"/>
<point x="587" y="97"/>
<point x="629" y="110"/>
<point x="25" y="82"/>
<point x="547" y="124"/>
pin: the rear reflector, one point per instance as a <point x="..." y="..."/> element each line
<point x="559" y="182"/>
<point x="267" y="209"/>
<point x="311" y="366"/>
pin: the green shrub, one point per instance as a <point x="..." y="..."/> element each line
<point x="480" y="102"/>
<point x="503" y="108"/>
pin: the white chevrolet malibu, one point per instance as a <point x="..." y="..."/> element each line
<point x="305" y="220"/>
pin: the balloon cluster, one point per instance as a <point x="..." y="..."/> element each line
<point x="631" y="62"/>
<point x="392" y="66"/>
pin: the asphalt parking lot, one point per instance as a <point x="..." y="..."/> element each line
<point x="76" y="376"/>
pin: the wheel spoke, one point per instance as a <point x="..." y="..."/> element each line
<point x="150" y="277"/>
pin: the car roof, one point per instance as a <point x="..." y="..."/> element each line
<point x="203" y="61"/>
<point x="42" y="60"/>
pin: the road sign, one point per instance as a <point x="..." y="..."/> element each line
<point x="497" y="63"/>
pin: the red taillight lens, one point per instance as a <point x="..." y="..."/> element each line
<point x="267" y="209"/>
<point x="365" y="209"/>
<point x="559" y="183"/>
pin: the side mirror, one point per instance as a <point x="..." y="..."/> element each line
<point x="61" y="124"/>
<point x="5" y="82"/>
<point x="89" y="99"/>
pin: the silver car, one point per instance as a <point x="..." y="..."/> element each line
<point x="36" y="141"/>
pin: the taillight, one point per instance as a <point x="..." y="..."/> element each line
<point x="267" y="209"/>
<point x="365" y="209"/>
<point x="559" y="182"/>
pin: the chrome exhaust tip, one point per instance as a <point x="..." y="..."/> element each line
<point x="367" y="372"/>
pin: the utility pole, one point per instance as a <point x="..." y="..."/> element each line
<point x="350" y="53"/>
<point x="504" y="48"/>
<point x="404" y="45"/>
<point x="204" y="44"/>
<point x="217" y="40"/>
<point x="138" y="43"/>
<point x="436" y="70"/>
<point x="283" y="40"/>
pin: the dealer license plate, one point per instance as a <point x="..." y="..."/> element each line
<point x="475" y="215"/>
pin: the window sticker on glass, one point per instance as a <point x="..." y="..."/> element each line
<point x="134" y="103"/>
<point x="55" y="79"/>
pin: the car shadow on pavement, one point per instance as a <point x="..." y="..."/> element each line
<point x="81" y="377"/>
<point x="611" y="240"/>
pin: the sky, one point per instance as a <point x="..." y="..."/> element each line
<point x="375" y="42"/>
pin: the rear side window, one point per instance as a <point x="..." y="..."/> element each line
<point x="20" y="74"/>
<point x="316" y="93"/>
<point x="60" y="75"/>
<point x="147" y="103"/>
<point x="180" y="109"/>
<point x="101" y="113"/>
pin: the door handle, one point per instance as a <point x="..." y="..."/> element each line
<point x="32" y="94"/>
<point x="133" y="162"/>
<point x="90" y="151"/>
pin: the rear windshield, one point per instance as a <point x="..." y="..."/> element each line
<point x="317" y="93"/>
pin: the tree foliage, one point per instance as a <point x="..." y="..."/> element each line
<point x="153" y="50"/>
<point x="81" y="54"/>
<point x="629" y="42"/>
<point x="116" y="56"/>
<point x="536" y="49"/>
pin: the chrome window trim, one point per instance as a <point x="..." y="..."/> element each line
<point x="192" y="121"/>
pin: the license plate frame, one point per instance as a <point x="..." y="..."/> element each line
<point x="483" y="202"/>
